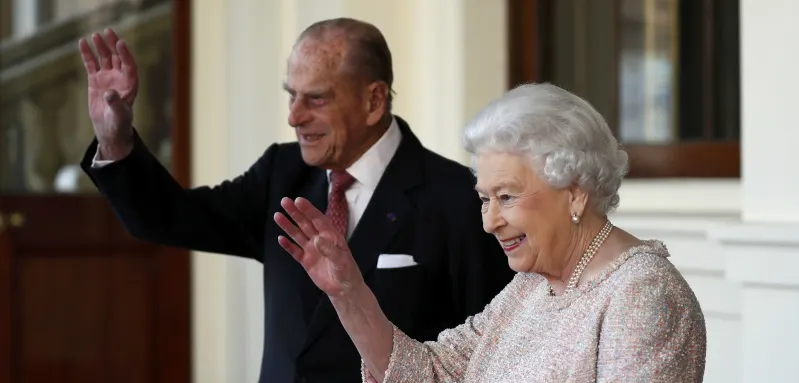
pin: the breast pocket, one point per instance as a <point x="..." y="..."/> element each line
<point x="400" y="292"/>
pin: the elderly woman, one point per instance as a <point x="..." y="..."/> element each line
<point x="590" y="302"/>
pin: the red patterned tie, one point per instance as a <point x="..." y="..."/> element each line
<point x="336" y="202"/>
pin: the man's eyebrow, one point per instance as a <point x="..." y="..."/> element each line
<point x="318" y="93"/>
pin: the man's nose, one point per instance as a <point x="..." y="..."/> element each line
<point x="298" y="115"/>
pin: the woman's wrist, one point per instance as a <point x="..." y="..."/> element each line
<point x="367" y="325"/>
<point x="357" y="295"/>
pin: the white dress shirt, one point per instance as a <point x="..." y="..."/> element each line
<point x="367" y="172"/>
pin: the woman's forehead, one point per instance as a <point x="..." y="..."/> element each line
<point x="511" y="178"/>
<point x="497" y="171"/>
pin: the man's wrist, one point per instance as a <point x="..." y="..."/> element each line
<point x="116" y="148"/>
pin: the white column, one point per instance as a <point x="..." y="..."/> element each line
<point x="770" y="93"/>
<point x="25" y="13"/>
<point x="210" y="282"/>
<point x="257" y="116"/>
<point x="444" y="73"/>
<point x="762" y="253"/>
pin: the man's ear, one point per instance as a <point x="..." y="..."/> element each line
<point x="376" y="101"/>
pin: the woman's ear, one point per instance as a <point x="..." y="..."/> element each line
<point x="578" y="199"/>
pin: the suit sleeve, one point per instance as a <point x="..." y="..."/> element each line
<point x="227" y="218"/>
<point x="478" y="266"/>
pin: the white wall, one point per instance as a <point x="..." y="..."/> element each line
<point x="450" y="61"/>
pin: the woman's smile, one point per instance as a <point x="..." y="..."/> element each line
<point x="513" y="243"/>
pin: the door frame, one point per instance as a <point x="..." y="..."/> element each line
<point x="177" y="264"/>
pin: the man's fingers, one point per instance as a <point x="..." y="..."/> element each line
<point x="103" y="51"/>
<point x="113" y="39"/>
<point x="302" y="221"/>
<point x="126" y="58"/>
<point x="89" y="60"/>
<point x="293" y="231"/>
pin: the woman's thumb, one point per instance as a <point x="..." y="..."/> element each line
<point x="325" y="245"/>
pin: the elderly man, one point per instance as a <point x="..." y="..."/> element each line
<point x="410" y="216"/>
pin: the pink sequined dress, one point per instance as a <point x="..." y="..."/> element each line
<point x="638" y="321"/>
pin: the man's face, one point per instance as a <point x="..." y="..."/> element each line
<point x="329" y="109"/>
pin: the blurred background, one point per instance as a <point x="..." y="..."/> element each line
<point x="700" y="92"/>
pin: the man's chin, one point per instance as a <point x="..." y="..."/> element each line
<point x="312" y="157"/>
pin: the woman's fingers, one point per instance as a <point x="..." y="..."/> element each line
<point x="320" y="221"/>
<point x="301" y="219"/>
<point x="293" y="231"/>
<point x="311" y="230"/>
<point x="328" y="248"/>
<point x="291" y="248"/>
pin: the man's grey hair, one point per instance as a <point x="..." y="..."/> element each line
<point x="565" y="138"/>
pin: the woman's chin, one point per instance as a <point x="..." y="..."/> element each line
<point x="519" y="262"/>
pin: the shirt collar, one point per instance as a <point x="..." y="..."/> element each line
<point x="368" y="169"/>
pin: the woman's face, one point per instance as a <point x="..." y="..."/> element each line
<point x="530" y="219"/>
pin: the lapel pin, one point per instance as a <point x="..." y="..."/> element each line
<point x="391" y="217"/>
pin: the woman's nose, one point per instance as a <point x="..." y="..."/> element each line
<point x="492" y="218"/>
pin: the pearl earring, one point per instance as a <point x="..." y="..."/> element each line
<point x="575" y="218"/>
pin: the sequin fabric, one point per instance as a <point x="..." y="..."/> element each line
<point x="637" y="321"/>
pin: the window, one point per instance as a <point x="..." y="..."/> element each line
<point x="664" y="73"/>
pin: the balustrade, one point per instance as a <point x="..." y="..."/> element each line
<point x="44" y="123"/>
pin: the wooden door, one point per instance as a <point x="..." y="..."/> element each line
<point x="80" y="299"/>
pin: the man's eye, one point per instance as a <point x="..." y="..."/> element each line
<point x="505" y="198"/>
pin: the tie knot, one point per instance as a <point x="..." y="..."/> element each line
<point x="341" y="180"/>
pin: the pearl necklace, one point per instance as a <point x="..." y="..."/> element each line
<point x="587" y="257"/>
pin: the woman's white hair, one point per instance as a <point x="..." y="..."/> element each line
<point x="567" y="140"/>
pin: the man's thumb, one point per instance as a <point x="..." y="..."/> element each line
<point x="116" y="103"/>
<point x="111" y="96"/>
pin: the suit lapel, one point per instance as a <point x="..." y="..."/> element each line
<point x="315" y="190"/>
<point x="387" y="210"/>
<point x="303" y="296"/>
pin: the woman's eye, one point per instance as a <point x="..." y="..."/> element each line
<point x="505" y="198"/>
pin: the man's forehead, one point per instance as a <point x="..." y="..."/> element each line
<point x="324" y="54"/>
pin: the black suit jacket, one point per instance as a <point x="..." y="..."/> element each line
<point x="424" y="206"/>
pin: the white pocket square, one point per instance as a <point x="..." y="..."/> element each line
<point x="395" y="261"/>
